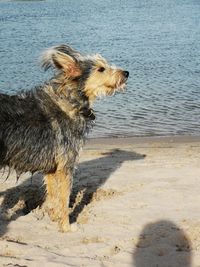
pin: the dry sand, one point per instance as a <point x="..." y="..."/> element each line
<point x="130" y="210"/>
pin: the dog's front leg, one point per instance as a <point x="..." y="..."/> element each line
<point x="58" y="187"/>
<point x="64" y="182"/>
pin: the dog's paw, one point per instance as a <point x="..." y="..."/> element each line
<point x="68" y="228"/>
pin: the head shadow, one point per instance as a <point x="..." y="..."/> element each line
<point x="92" y="174"/>
<point x="162" y="244"/>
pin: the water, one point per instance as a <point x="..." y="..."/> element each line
<point x="157" y="41"/>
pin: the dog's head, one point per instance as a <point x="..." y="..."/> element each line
<point x="91" y="74"/>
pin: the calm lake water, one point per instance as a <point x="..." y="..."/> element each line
<point x="157" y="41"/>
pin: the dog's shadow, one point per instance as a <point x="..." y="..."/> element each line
<point x="20" y="200"/>
<point x="90" y="176"/>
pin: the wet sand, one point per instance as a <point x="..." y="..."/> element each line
<point x="135" y="202"/>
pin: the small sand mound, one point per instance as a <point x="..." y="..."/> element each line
<point x="85" y="198"/>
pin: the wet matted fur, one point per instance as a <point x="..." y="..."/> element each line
<point x="42" y="130"/>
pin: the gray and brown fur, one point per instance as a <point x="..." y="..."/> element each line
<point x="42" y="130"/>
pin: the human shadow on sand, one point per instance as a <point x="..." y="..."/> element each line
<point x="162" y="244"/>
<point x="90" y="176"/>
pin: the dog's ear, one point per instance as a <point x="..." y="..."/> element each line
<point x="66" y="49"/>
<point x="58" y="58"/>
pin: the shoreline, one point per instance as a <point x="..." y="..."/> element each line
<point x="138" y="141"/>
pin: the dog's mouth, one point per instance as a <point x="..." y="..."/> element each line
<point x="121" y="85"/>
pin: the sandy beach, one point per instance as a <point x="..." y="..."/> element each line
<point x="135" y="203"/>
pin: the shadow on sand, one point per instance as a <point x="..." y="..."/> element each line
<point x="91" y="175"/>
<point x="162" y="244"/>
<point x="98" y="171"/>
<point x="20" y="200"/>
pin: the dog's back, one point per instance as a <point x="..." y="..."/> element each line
<point x="32" y="127"/>
<point x="25" y="134"/>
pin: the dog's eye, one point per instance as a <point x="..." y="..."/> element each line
<point x="101" y="69"/>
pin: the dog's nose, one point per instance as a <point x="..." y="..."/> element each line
<point x="126" y="74"/>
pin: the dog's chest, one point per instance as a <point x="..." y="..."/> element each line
<point x="69" y="137"/>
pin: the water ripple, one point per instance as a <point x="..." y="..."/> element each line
<point x="158" y="41"/>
